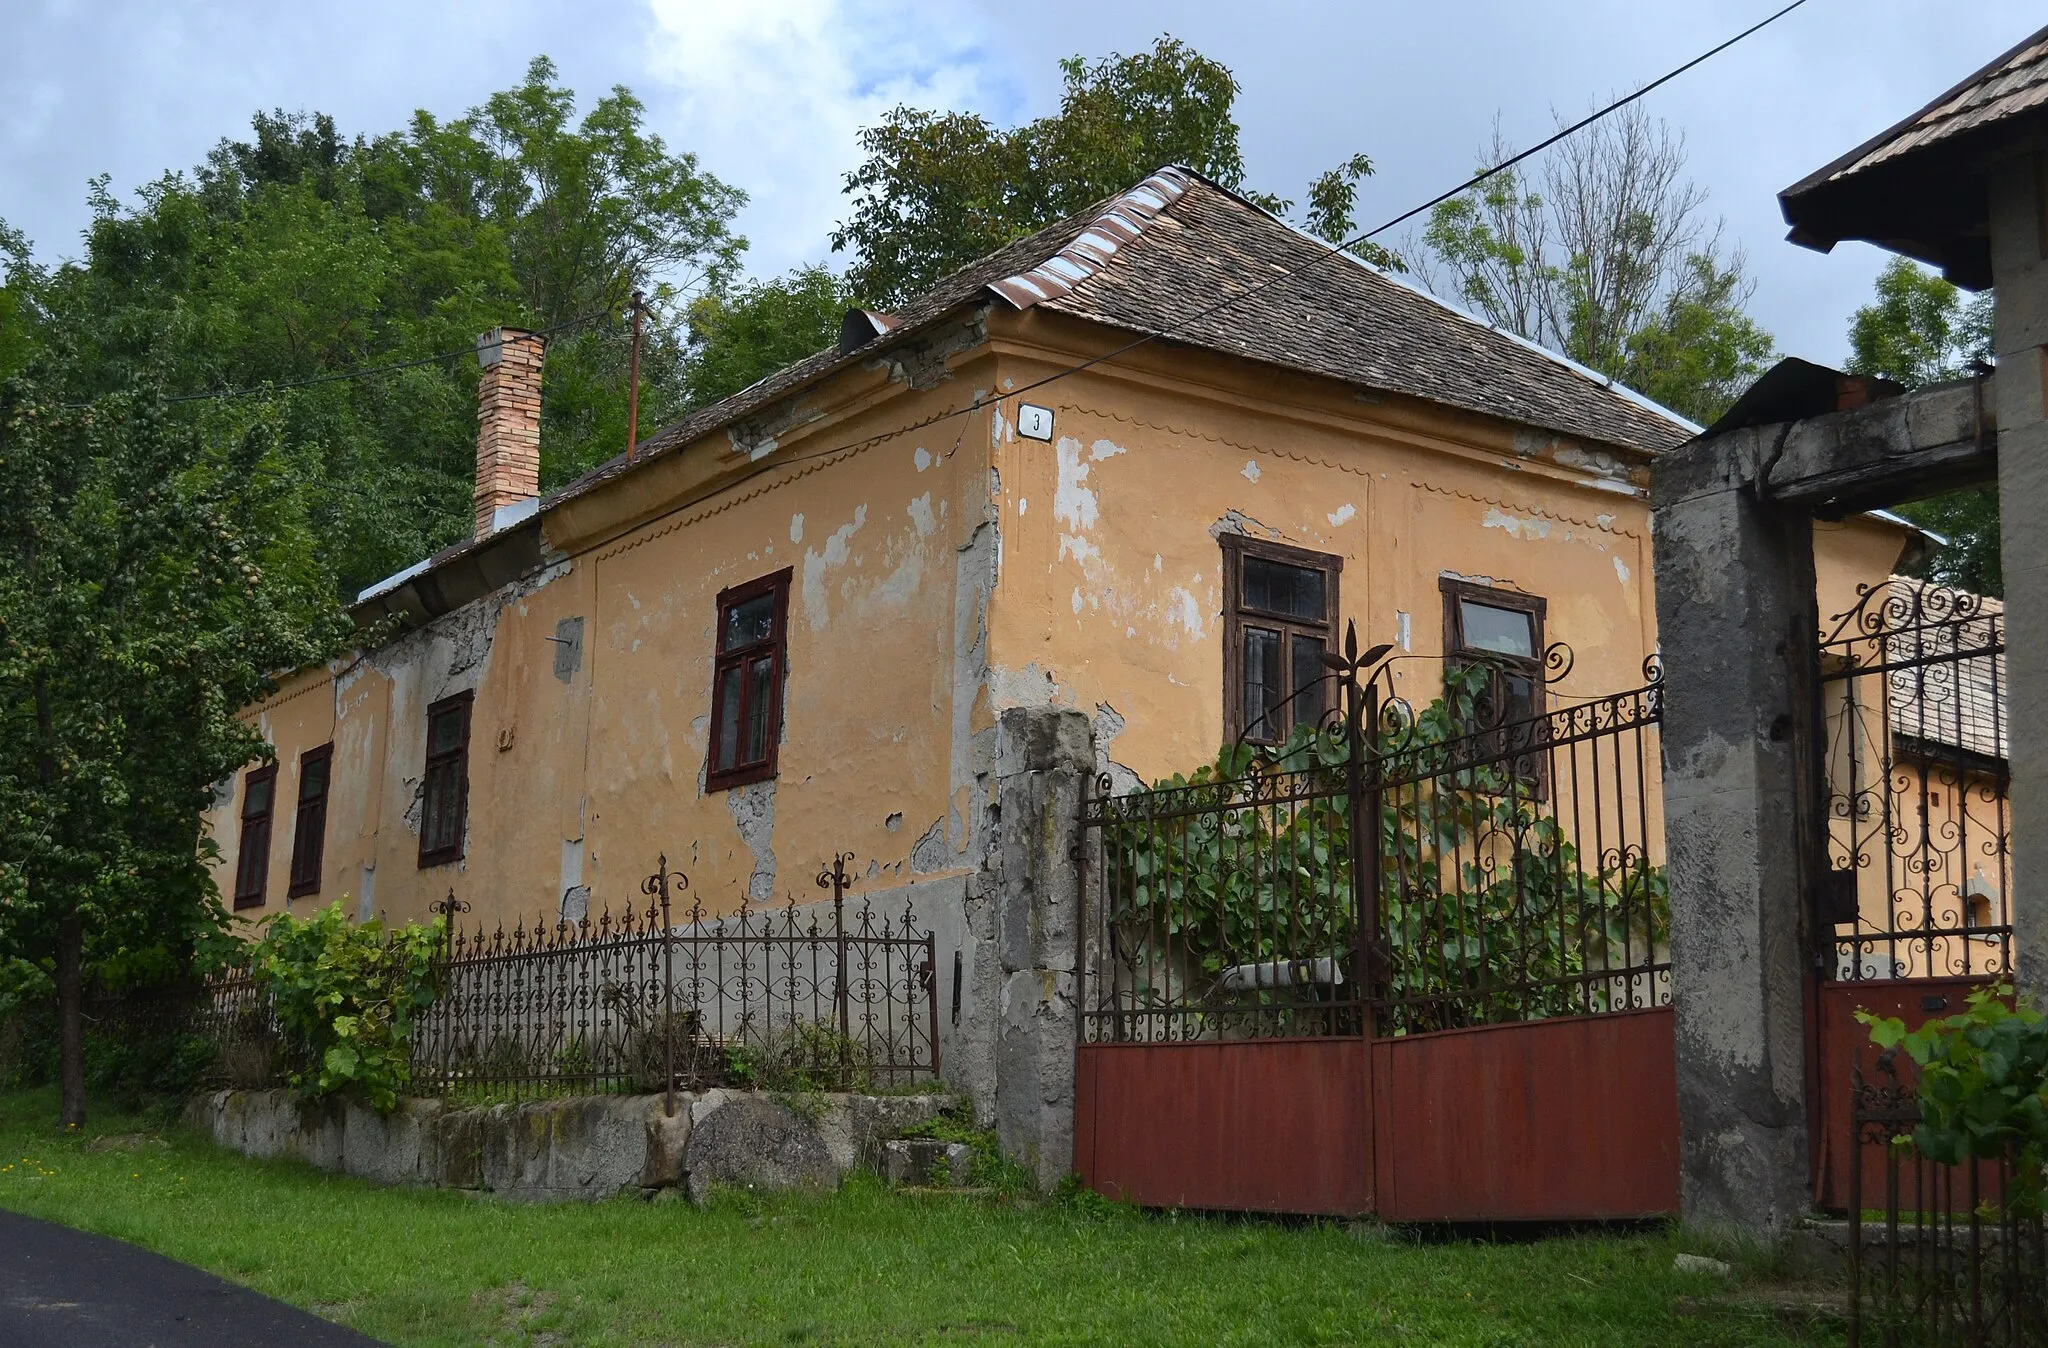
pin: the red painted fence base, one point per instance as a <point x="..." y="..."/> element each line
<point x="1255" y="1125"/>
<point x="1568" y="1119"/>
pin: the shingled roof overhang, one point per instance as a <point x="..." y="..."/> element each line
<point x="1155" y="261"/>
<point x="1919" y="188"/>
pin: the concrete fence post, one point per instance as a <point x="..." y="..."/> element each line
<point x="1043" y="759"/>
<point x="1735" y="621"/>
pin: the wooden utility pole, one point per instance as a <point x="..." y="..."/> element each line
<point x="639" y="306"/>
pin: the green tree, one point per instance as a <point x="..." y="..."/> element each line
<point x="1919" y="330"/>
<point x="1606" y="257"/>
<point x="740" y="335"/>
<point x="152" y="579"/>
<point x="938" y="190"/>
<point x="298" y="253"/>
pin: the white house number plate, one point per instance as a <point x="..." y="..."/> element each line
<point x="1034" y="422"/>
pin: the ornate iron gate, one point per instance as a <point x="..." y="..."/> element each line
<point x="1411" y="961"/>
<point x="1912" y="911"/>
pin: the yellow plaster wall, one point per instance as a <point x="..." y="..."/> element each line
<point x="1111" y="592"/>
<point x="592" y="778"/>
<point x="1108" y="596"/>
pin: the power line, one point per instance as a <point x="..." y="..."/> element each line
<point x="1329" y="251"/>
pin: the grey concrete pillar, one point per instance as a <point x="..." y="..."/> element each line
<point x="1735" y="622"/>
<point x="2020" y="337"/>
<point x="1043" y="758"/>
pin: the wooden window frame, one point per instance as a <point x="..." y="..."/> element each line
<point x="777" y="645"/>
<point x="459" y="756"/>
<point x="1458" y="653"/>
<point x="309" y="826"/>
<point x="252" y="858"/>
<point x="1236" y="616"/>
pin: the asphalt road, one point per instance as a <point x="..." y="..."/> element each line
<point x="61" y="1288"/>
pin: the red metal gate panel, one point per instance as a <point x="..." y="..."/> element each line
<point x="1265" y="1125"/>
<point x="1843" y="1042"/>
<point x="1571" y="1118"/>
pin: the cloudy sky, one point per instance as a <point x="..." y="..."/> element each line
<point x="770" y="93"/>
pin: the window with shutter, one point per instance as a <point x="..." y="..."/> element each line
<point x="309" y="830"/>
<point x="252" y="857"/>
<point x="444" y="796"/>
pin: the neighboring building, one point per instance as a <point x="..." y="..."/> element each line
<point x="788" y="627"/>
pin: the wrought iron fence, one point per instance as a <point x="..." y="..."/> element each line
<point x="1936" y="1256"/>
<point x="1394" y="871"/>
<point x="657" y="997"/>
<point x="1913" y="696"/>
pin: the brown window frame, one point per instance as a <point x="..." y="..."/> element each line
<point x="252" y="858"/>
<point x="776" y="646"/>
<point x="1458" y="654"/>
<point x="1237" y="616"/>
<point x="309" y="825"/>
<point x="459" y="758"/>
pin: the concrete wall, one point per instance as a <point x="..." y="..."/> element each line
<point x="2020" y="338"/>
<point x="580" y="1149"/>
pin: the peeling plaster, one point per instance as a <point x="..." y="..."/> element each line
<point x="1343" y="515"/>
<point x="1073" y="504"/>
<point x="1402" y="629"/>
<point x="1620" y="570"/>
<point x="1251" y="470"/>
<point x="1237" y="522"/>
<point x="816" y="605"/>
<point x="921" y="515"/>
<point x="753" y="813"/>
<point x="1187" y="611"/>
<point x="923" y="458"/>
<point x="1516" y="526"/>
<point x="1026" y="687"/>
<point x="796" y="527"/>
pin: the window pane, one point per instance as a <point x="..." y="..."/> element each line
<point x="1506" y="630"/>
<point x="433" y="807"/>
<point x="728" y="703"/>
<point x="758" y="708"/>
<point x="1520" y="697"/>
<point x="1261" y="681"/>
<point x="1274" y="587"/>
<point x="749" y="622"/>
<point x="258" y="801"/>
<point x="446" y="734"/>
<point x="312" y="779"/>
<point x="1312" y="690"/>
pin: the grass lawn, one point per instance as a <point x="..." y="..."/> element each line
<point x="863" y="1266"/>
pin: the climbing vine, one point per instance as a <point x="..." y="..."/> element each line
<point x="1489" y="910"/>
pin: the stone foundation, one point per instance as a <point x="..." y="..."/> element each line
<point x="580" y="1149"/>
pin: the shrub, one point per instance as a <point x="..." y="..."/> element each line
<point x="345" y="1000"/>
<point x="1983" y="1087"/>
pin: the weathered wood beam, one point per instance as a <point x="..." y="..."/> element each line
<point x="1897" y="450"/>
<point x="1891" y="451"/>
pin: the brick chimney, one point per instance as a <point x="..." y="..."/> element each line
<point x="507" y="428"/>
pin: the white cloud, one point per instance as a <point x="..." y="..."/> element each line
<point x="772" y="94"/>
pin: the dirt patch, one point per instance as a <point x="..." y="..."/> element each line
<point x="522" y="1315"/>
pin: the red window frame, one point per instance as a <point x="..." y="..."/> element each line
<point x="252" y="850"/>
<point x="309" y="827"/>
<point x="444" y="786"/>
<point x="730" y="681"/>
